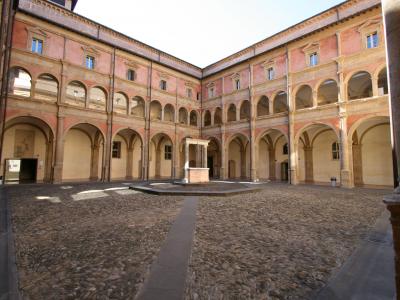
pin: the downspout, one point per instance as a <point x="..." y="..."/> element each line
<point x="112" y="115"/>
<point x="289" y="108"/>
<point x="150" y="82"/>
<point x="6" y="67"/>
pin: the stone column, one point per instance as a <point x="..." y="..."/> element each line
<point x="243" y="162"/>
<point x="94" y="166"/>
<point x="357" y="165"/>
<point x="204" y="156"/>
<point x="59" y="157"/>
<point x="346" y="178"/>
<point x="375" y="91"/>
<point x="391" y="11"/>
<point x="129" y="163"/>
<point x="224" y="166"/>
<point x="272" y="163"/>
<point x="315" y="98"/>
<point x="308" y="157"/>
<point x="158" y="162"/>
<point x="186" y="166"/>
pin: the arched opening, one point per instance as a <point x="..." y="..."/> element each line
<point x="120" y="103"/>
<point x="383" y="83"/>
<point x="280" y="103"/>
<point x="137" y="107"/>
<point x="372" y="153"/>
<point x="304" y="97"/>
<point x="316" y="161"/>
<point x="218" y="116"/>
<point x="76" y="94"/>
<point x="232" y="113"/>
<point x="263" y="107"/>
<point x="193" y="118"/>
<point x="161" y="156"/>
<point x="193" y="157"/>
<point x="126" y="156"/>
<point x="83" y="153"/>
<point x="46" y="88"/>
<point x="20" y="82"/>
<point x="183" y="116"/>
<point x="97" y="98"/>
<point x="359" y="86"/>
<point x="214" y="159"/>
<point x="169" y="113"/>
<point x="155" y="110"/>
<point x="27" y="150"/>
<point x="328" y="92"/>
<point x="238" y="157"/>
<point x="207" y="118"/>
<point x="245" y="110"/>
<point x="272" y="160"/>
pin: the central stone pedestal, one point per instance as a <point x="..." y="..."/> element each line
<point x="198" y="175"/>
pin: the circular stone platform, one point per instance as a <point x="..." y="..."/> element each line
<point x="213" y="188"/>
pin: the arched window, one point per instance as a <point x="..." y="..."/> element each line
<point x="304" y="97"/>
<point x="263" y="107"/>
<point x="328" y="92"/>
<point x="183" y="116"/>
<point x="382" y="83"/>
<point x="335" y="151"/>
<point x="285" y="149"/>
<point x="193" y="118"/>
<point x="137" y="107"/>
<point x="169" y="113"/>
<point x="97" y="98"/>
<point x="280" y="103"/>
<point x="360" y="86"/>
<point x="76" y="94"/>
<point x="20" y="82"/>
<point x="245" y="110"/>
<point x="207" y="118"/>
<point x="46" y="88"/>
<point x="120" y="103"/>
<point x="155" y="110"/>
<point x="232" y="113"/>
<point x="218" y="116"/>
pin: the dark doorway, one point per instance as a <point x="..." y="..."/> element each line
<point x="284" y="171"/>
<point x="210" y="166"/>
<point x="21" y="170"/>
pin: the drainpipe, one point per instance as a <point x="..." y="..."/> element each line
<point x="148" y="122"/>
<point x="289" y="107"/>
<point x="110" y="126"/>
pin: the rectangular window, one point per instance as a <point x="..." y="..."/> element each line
<point x="372" y="40"/>
<point x="116" y="150"/>
<point x="189" y="93"/>
<point x="335" y="151"/>
<point x="37" y="46"/>
<point x="237" y="84"/>
<point x="163" y="85"/>
<point x="90" y="62"/>
<point x="211" y="93"/>
<point x="168" y="152"/>
<point x="270" y="73"/>
<point x="314" y="59"/>
<point x="131" y="75"/>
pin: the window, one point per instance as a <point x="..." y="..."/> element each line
<point x="116" y="150"/>
<point x="198" y="96"/>
<point x="60" y="2"/>
<point x="90" y="62"/>
<point x="372" y="40"/>
<point x="270" y="73"/>
<point x="285" y="150"/>
<point x="237" y="84"/>
<point x="168" y="152"/>
<point x="211" y="93"/>
<point x="335" y="151"/>
<point x="163" y="85"/>
<point x="37" y="46"/>
<point x="131" y="75"/>
<point x="314" y="59"/>
<point x="189" y="93"/>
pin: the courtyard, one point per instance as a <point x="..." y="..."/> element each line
<point x="99" y="241"/>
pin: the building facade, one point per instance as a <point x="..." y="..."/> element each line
<point x="84" y="102"/>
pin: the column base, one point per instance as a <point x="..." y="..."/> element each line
<point x="345" y="179"/>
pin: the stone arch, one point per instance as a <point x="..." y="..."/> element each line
<point x="280" y="103"/>
<point x="137" y="107"/>
<point x="359" y="85"/>
<point x="169" y="113"/>
<point x="214" y="157"/>
<point x="193" y="118"/>
<point x="263" y="106"/>
<point x="120" y="104"/>
<point x="183" y="116"/>
<point x="30" y="140"/>
<point x="231" y="113"/>
<point x="383" y="88"/>
<point x="238" y="156"/>
<point x="98" y="98"/>
<point x="245" y="110"/>
<point x="83" y="153"/>
<point x="76" y="93"/>
<point x="207" y="118"/>
<point x="20" y="82"/>
<point x="155" y="110"/>
<point x="126" y="155"/>
<point x="304" y="97"/>
<point x="328" y="92"/>
<point x="218" y="116"/>
<point x="161" y="156"/>
<point x="46" y="87"/>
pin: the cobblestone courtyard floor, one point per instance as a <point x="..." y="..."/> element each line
<point x="98" y="240"/>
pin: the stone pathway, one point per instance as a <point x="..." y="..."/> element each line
<point x="369" y="273"/>
<point x="168" y="273"/>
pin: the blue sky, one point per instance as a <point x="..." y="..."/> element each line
<point x="201" y="32"/>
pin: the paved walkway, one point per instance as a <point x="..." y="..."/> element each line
<point x="168" y="273"/>
<point x="369" y="273"/>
